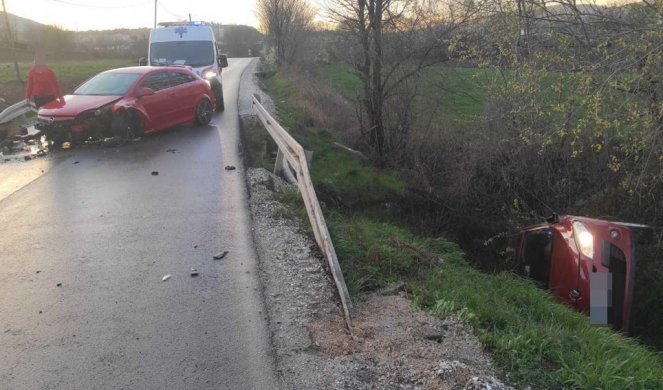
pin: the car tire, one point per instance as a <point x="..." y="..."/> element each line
<point x="57" y="138"/>
<point x="126" y="126"/>
<point x="218" y="97"/>
<point x="204" y="112"/>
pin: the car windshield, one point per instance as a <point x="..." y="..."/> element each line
<point x="192" y="53"/>
<point x="111" y="84"/>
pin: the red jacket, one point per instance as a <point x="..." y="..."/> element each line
<point x="42" y="83"/>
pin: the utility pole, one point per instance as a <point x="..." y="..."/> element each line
<point x="155" y="13"/>
<point x="12" y="41"/>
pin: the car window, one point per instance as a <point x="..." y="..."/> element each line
<point x="109" y="84"/>
<point x="157" y="81"/>
<point x="178" y="78"/>
<point x="537" y="254"/>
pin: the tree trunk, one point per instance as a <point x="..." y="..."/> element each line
<point x="12" y="41"/>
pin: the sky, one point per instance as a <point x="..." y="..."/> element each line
<point x="80" y="15"/>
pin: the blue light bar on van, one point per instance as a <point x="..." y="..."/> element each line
<point x="175" y="24"/>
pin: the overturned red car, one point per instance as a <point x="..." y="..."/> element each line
<point x="587" y="263"/>
<point x="128" y="103"/>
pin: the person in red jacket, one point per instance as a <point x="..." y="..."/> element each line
<point x="42" y="85"/>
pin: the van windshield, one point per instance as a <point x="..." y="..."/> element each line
<point x="191" y="53"/>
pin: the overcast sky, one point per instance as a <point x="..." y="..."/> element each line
<point x="107" y="14"/>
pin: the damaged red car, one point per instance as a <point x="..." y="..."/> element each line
<point x="128" y="103"/>
<point x="589" y="264"/>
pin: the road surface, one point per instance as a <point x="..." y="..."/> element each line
<point x="84" y="248"/>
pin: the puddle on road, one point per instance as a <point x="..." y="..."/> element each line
<point x="21" y="162"/>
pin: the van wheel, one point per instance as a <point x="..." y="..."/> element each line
<point x="218" y="97"/>
<point x="203" y="112"/>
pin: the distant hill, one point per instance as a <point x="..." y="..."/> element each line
<point x="19" y="26"/>
<point x="235" y="40"/>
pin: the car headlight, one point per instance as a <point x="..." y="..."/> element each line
<point x="209" y="74"/>
<point x="584" y="239"/>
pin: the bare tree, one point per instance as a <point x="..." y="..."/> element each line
<point x="12" y="40"/>
<point x="394" y="41"/>
<point x="285" y="22"/>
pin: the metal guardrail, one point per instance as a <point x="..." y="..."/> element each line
<point x="14" y="111"/>
<point x="295" y="157"/>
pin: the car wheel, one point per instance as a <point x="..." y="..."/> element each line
<point x="218" y="97"/>
<point x="204" y="112"/>
<point x="57" y="138"/>
<point x="126" y="126"/>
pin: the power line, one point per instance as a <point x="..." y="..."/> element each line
<point x="169" y="11"/>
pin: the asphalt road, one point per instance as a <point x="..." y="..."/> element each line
<point x="84" y="248"/>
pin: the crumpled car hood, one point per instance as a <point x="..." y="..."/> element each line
<point x="72" y="105"/>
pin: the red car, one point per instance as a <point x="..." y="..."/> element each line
<point x="128" y="103"/>
<point x="587" y="263"/>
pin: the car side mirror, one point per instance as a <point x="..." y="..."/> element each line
<point x="223" y="61"/>
<point x="142" y="61"/>
<point x="145" y="92"/>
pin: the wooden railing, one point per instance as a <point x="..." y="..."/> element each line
<point x="292" y="156"/>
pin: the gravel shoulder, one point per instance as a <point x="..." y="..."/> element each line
<point x="394" y="345"/>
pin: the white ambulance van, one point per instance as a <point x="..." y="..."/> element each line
<point x="189" y="44"/>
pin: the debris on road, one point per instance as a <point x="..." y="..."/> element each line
<point x="194" y="272"/>
<point x="166" y="277"/>
<point x="220" y="255"/>
<point x="76" y="162"/>
<point x="59" y="284"/>
<point x="155" y="173"/>
<point x="230" y="168"/>
<point x="171" y="151"/>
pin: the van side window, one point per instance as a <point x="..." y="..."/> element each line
<point x="157" y="81"/>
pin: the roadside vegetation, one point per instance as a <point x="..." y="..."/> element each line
<point x="534" y="339"/>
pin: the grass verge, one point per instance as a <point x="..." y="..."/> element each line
<point x="69" y="73"/>
<point x="534" y="339"/>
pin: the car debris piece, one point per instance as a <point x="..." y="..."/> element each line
<point x="77" y="162"/>
<point x="230" y="168"/>
<point x="59" y="284"/>
<point x="171" y="151"/>
<point x="155" y="173"/>
<point x="220" y="255"/>
<point x="166" y="277"/>
<point x="27" y="158"/>
<point x="194" y="272"/>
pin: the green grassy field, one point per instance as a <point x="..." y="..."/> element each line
<point x="446" y="93"/>
<point x="69" y="73"/>
<point x="534" y="339"/>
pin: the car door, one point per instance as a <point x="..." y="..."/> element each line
<point x="184" y="92"/>
<point x="160" y="107"/>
